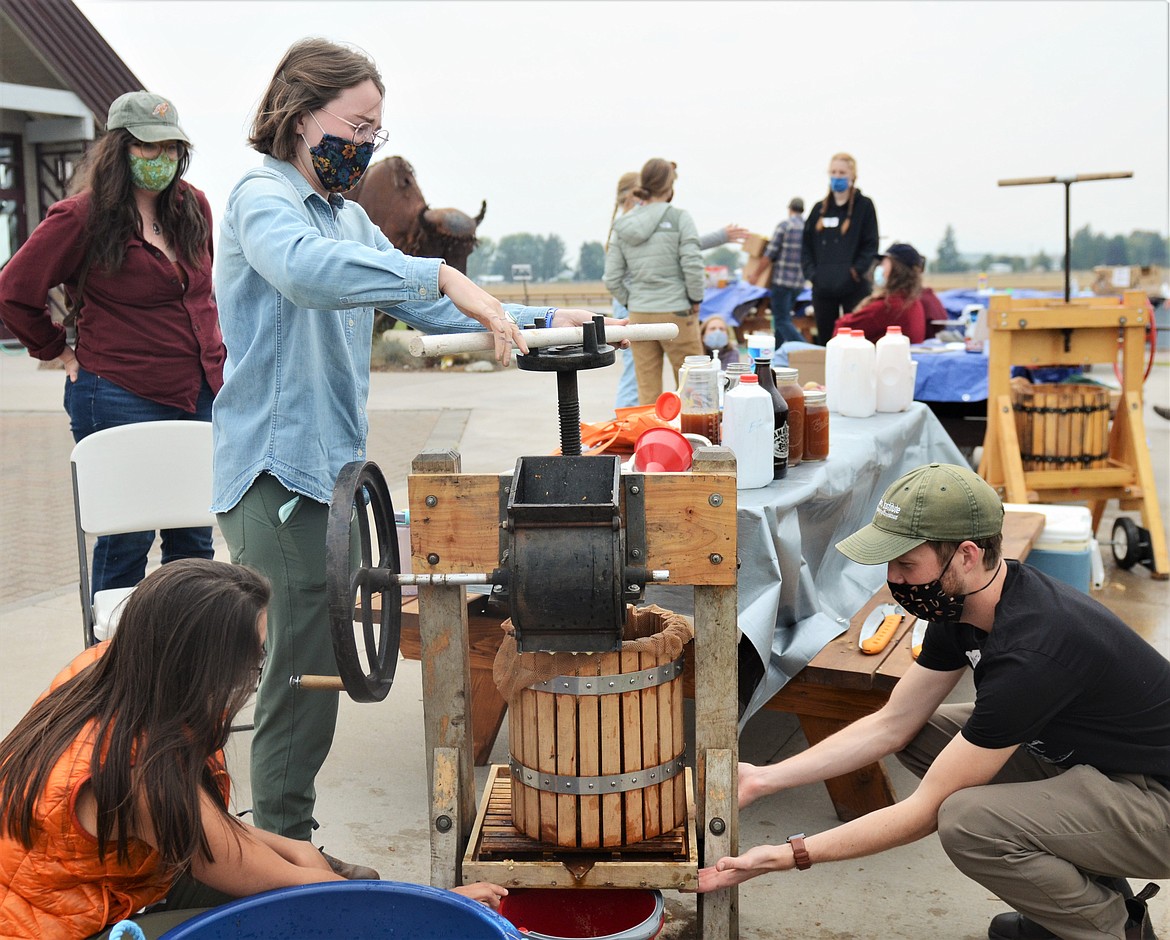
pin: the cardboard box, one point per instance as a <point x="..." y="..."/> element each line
<point x="754" y="245"/>
<point x="758" y="272"/>
<point x="810" y="363"/>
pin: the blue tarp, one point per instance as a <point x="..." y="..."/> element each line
<point x="724" y="301"/>
<point x="956" y="300"/>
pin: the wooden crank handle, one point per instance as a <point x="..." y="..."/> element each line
<point x="317" y="683"/>
<point x="448" y="343"/>
<point x="1086" y="177"/>
<point x="1028" y="181"/>
<point x="1079" y="178"/>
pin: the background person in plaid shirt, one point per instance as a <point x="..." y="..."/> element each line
<point x="787" y="277"/>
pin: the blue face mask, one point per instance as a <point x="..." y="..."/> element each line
<point x="879" y="276"/>
<point x="838" y="184"/>
<point x="715" y="339"/>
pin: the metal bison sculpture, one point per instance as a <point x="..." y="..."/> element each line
<point x="389" y="193"/>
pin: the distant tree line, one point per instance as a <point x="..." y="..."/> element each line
<point x="1089" y="250"/>
<point x="544" y="253"/>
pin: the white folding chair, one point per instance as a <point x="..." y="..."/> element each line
<point x="149" y="476"/>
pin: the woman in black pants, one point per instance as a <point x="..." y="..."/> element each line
<point x="840" y="246"/>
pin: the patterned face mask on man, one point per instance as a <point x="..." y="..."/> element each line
<point x="930" y="602"/>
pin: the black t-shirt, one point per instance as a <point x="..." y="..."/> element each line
<point x="1061" y="676"/>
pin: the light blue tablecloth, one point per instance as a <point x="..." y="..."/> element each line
<point x="950" y="376"/>
<point x="795" y="589"/>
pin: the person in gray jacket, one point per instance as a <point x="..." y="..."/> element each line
<point x="655" y="269"/>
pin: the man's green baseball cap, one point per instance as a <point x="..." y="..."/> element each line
<point x="936" y="503"/>
<point x="147" y="116"/>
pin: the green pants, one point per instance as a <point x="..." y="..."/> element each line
<point x="282" y="535"/>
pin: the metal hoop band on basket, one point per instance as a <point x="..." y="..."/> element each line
<point x="595" y="786"/>
<point x="611" y="685"/>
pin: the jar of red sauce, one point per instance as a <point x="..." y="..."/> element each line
<point x="816" y="426"/>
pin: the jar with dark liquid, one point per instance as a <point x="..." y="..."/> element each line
<point x="698" y="392"/>
<point x="816" y="426"/>
<point x="788" y="384"/>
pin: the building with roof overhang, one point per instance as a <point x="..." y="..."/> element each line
<point x="58" y="77"/>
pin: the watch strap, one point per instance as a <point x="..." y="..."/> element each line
<point x="799" y="852"/>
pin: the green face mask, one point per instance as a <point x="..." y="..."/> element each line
<point x="153" y="175"/>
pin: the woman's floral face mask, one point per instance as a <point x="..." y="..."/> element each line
<point x="338" y="161"/>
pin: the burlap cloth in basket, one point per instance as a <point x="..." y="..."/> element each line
<point x="647" y="630"/>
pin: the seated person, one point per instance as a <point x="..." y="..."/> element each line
<point x="895" y="302"/>
<point x="87" y="841"/>
<point x="719" y="338"/>
<point x="933" y="310"/>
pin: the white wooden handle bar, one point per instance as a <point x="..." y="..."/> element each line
<point x="448" y="343"/>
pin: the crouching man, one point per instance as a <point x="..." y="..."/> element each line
<point x="1054" y="785"/>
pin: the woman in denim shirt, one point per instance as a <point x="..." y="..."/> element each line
<point x="298" y="274"/>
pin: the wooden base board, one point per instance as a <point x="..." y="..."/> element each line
<point x="500" y="853"/>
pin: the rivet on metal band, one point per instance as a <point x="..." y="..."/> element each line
<point x="634" y="681"/>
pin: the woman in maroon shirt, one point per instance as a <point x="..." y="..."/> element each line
<point x="895" y="302"/>
<point x="133" y="249"/>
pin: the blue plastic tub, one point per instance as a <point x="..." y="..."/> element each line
<point x="367" y="909"/>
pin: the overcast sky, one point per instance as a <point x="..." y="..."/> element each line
<point x="539" y="107"/>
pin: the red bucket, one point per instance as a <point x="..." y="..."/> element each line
<point x="585" y="914"/>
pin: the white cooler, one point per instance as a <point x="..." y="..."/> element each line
<point x="1065" y="548"/>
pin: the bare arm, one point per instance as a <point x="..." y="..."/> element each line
<point x="246" y="860"/>
<point x="866" y="740"/>
<point x="960" y="765"/>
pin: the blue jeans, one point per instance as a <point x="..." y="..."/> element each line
<point x="627" y="392"/>
<point x="94" y="404"/>
<point x="783" y="300"/>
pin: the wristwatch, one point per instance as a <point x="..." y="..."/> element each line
<point x="799" y="852"/>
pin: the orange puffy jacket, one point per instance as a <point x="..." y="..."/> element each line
<point x="61" y="888"/>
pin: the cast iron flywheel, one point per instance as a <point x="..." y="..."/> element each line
<point x="352" y="580"/>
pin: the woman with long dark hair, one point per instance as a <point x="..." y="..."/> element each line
<point x="133" y="248"/>
<point x="896" y="300"/>
<point x="114" y="796"/>
<point x="112" y="788"/>
<point x="839" y="246"/>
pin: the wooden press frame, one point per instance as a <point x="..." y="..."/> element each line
<point x="690" y="531"/>
<point x="1043" y="332"/>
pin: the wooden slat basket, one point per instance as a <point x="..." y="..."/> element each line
<point x="598" y="756"/>
<point x="1062" y="427"/>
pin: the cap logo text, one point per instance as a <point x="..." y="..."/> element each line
<point x="889" y="510"/>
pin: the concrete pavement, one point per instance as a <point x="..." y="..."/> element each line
<point x="372" y="791"/>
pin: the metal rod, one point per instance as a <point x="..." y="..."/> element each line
<point x="448" y="343"/>
<point x="569" y="412"/>
<point x="1067" y="181"/>
<point x="438" y="579"/>
<point x="1067" y="241"/>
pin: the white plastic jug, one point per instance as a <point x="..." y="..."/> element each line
<point x="857" y="381"/>
<point x="747" y="430"/>
<point x="895" y="371"/>
<point x="833" y="367"/>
